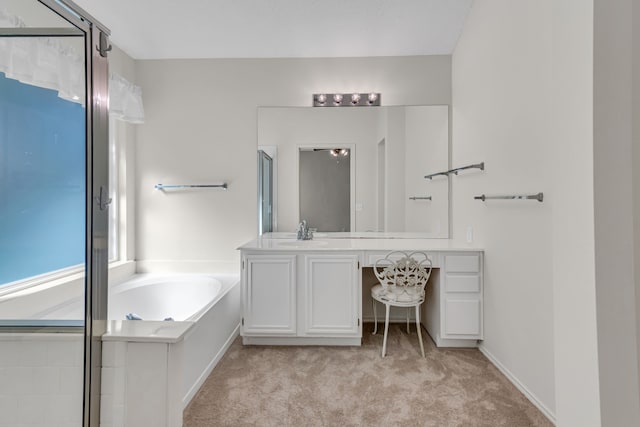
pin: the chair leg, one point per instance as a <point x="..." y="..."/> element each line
<point x="408" y="330"/>
<point x="418" y="327"/>
<point x="375" y="317"/>
<point x="386" y="331"/>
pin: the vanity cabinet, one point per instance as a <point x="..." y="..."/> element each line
<point x="269" y="295"/>
<point x="310" y="292"/>
<point x="311" y="298"/>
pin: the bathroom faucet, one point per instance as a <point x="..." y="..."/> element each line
<point x="304" y="233"/>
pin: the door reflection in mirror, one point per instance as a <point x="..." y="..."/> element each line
<point x="325" y="188"/>
<point x="265" y="192"/>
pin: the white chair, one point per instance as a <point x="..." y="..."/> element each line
<point x="403" y="277"/>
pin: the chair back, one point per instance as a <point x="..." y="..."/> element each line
<point x="403" y="275"/>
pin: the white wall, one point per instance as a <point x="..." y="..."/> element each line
<point x="521" y="103"/>
<point x="613" y="161"/>
<point x="576" y="352"/>
<point x="201" y="128"/>
<point x="549" y="104"/>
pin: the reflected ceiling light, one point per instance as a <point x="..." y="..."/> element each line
<point x="356" y="100"/>
<point x="335" y="152"/>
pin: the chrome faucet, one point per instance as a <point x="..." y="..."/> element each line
<point x="304" y="233"/>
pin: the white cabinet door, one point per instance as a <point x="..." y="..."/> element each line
<point x="331" y="295"/>
<point x="462" y="317"/>
<point x="269" y="295"/>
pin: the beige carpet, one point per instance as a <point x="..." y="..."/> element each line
<point x="354" y="386"/>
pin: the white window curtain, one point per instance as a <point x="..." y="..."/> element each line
<point x="42" y="61"/>
<point x="125" y="100"/>
<point x="50" y="63"/>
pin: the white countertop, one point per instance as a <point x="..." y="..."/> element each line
<point x="322" y="242"/>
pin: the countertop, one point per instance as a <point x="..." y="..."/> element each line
<point x="354" y="242"/>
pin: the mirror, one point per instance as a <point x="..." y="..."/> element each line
<point x="390" y="150"/>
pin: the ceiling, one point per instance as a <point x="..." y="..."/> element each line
<point x="162" y="29"/>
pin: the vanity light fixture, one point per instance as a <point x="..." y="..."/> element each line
<point x="340" y="100"/>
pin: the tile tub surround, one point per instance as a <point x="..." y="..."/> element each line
<point x="326" y="386"/>
<point x="41" y="379"/>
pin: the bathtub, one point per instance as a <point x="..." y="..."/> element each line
<point x="181" y="297"/>
<point x="206" y="313"/>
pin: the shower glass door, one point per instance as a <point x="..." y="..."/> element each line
<point x="46" y="236"/>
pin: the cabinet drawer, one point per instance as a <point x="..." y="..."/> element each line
<point x="372" y="258"/>
<point x="459" y="283"/>
<point x="462" y="263"/>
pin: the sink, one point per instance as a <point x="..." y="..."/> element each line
<point x="283" y="235"/>
<point x="302" y="243"/>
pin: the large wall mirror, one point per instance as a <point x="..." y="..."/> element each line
<point x="355" y="169"/>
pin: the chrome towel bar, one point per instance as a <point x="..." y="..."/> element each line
<point x="420" y="198"/>
<point x="456" y="170"/>
<point x="538" y="197"/>
<point x="165" y="186"/>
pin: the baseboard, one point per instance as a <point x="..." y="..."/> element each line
<point x="515" y="381"/>
<point x="205" y="374"/>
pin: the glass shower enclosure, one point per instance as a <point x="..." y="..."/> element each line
<point x="53" y="212"/>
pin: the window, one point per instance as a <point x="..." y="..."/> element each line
<point x="114" y="172"/>
<point x="42" y="182"/>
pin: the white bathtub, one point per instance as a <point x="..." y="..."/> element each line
<point x="162" y="296"/>
<point x="206" y="306"/>
<point x="182" y="297"/>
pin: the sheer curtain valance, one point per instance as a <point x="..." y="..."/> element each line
<point x="53" y="63"/>
<point x="125" y="100"/>
<point x="43" y="61"/>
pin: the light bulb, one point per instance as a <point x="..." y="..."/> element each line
<point x="372" y="97"/>
<point x="355" y="98"/>
<point x="337" y="98"/>
<point x="322" y="98"/>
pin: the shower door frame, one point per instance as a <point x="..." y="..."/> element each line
<point x="96" y="206"/>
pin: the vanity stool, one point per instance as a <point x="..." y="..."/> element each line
<point x="402" y="278"/>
